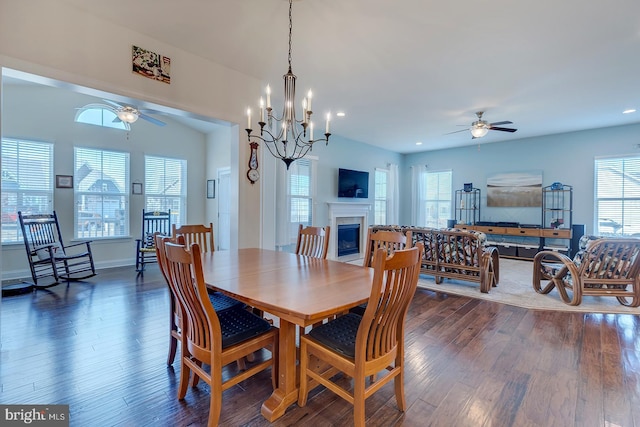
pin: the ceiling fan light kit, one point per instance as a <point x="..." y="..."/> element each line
<point x="480" y="127"/>
<point x="127" y="114"/>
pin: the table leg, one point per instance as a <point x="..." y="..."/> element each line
<point x="287" y="391"/>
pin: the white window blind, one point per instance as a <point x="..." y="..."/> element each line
<point x="27" y="183"/>
<point x="380" y="202"/>
<point x="617" y="197"/>
<point x="438" y="194"/>
<point x="165" y="186"/>
<point x="101" y="189"/>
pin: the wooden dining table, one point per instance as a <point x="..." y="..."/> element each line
<point x="298" y="290"/>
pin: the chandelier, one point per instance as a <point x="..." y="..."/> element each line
<point x="292" y="138"/>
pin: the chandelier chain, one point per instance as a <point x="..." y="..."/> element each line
<point x="290" y="30"/>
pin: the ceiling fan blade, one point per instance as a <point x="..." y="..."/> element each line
<point x="456" y="131"/>
<point x="503" y="129"/>
<point x="114" y="104"/>
<point x="507" y="122"/>
<point x="151" y="119"/>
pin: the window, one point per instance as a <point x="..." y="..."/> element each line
<point x="380" y="202"/>
<point x="165" y="186"/>
<point x="101" y="193"/>
<point x="617" y="198"/>
<point x="437" y="198"/>
<point x="100" y="115"/>
<point x="297" y="200"/>
<point x="27" y="183"/>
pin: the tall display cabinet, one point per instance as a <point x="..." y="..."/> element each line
<point x="467" y="205"/>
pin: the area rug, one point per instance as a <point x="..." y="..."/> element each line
<point x="515" y="288"/>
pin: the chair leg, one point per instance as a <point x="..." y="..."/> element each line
<point x="215" y="404"/>
<point x="173" y="346"/>
<point x="398" y="383"/>
<point x="358" y="402"/>
<point x="304" y="384"/>
<point x="185" y="373"/>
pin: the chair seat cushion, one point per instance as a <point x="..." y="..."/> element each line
<point x="339" y="334"/>
<point x="238" y="324"/>
<point x="222" y="302"/>
<point x="359" y="309"/>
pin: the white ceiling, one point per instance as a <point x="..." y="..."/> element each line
<point x="414" y="70"/>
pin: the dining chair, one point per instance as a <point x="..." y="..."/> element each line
<point x="196" y="233"/>
<point x="313" y="241"/>
<point x="219" y="300"/>
<point x="362" y="346"/>
<point x="214" y="338"/>
<point x="388" y="240"/>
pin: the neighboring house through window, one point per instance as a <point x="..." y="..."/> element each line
<point x="27" y="183"/>
<point x="165" y="186"/>
<point x="617" y="196"/>
<point x="101" y="190"/>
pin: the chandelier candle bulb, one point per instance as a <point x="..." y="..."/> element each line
<point x="248" y="118"/>
<point x="268" y="97"/>
<point x="328" y="119"/>
<point x="261" y="110"/>
<point x="310" y="131"/>
<point x="309" y="101"/>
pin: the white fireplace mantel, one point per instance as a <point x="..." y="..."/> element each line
<point x="359" y="212"/>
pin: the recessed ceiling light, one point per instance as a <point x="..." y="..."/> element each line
<point x="340" y="114"/>
<point x="418" y="143"/>
<point x="630" y="110"/>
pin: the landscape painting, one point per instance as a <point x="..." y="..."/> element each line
<point x="515" y="189"/>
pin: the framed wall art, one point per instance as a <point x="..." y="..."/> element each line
<point x="136" y="188"/>
<point x="64" y="181"/>
<point x="211" y="189"/>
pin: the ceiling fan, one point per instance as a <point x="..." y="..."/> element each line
<point x="480" y="127"/>
<point x="129" y="114"/>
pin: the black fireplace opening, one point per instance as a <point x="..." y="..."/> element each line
<point x="348" y="239"/>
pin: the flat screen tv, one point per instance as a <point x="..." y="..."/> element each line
<point x="354" y="184"/>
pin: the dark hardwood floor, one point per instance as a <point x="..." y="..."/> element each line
<point x="101" y="347"/>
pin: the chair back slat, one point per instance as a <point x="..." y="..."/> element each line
<point x="313" y="241"/>
<point x="394" y="284"/>
<point x="200" y="323"/>
<point x="155" y="222"/>
<point x="390" y="241"/>
<point x="196" y="233"/>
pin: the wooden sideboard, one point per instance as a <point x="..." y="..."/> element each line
<point x="533" y="239"/>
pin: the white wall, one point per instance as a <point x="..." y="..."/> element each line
<point x="567" y="158"/>
<point x="55" y="40"/>
<point x="47" y="114"/>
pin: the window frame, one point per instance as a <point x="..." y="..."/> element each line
<point x="438" y="221"/>
<point x="623" y="190"/>
<point x="380" y="215"/>
<point x="10" y="216"/>
<point x="102" y="225"/>
<point x="167" y="201"/>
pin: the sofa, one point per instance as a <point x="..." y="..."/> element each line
<point x="455" y="254"/>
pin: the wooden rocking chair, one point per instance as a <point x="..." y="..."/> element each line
<point x="152" y="223"/>
<point x="47" y="254"/>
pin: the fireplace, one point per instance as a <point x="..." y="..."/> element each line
<point x="349" y="214"/>
<point x="348" y="239"/>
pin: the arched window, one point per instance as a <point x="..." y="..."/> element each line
<point x="100" y="115"/>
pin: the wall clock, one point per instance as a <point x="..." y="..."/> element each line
<point x="253" y="173"/>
